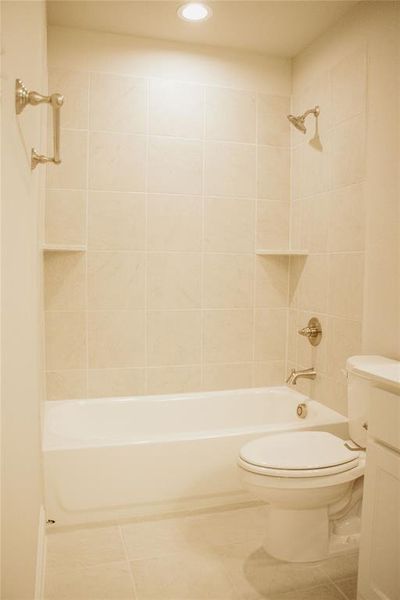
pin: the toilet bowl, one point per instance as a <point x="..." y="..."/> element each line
<point x="308" y="479"/>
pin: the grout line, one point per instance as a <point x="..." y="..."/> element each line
<point x="128" y="560"/>
<point x="146" y="239"/>
<point x="87" y="241"/>
<point x="203" y="233"/>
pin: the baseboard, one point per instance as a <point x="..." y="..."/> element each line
<point x="41" y="556"/>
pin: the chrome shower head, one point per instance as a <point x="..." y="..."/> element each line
<point x="298" y="121"/>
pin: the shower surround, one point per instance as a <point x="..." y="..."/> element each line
<point x="176" y="166"/>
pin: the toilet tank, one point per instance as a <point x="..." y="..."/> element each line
<point x="363" y="372"/>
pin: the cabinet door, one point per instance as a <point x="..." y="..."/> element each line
<point x="379" y="572"/>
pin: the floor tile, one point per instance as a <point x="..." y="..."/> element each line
<point x="320" y="592"/>
<point x="151" y="539"/>
<point x="111" y="581"/>
<point x="257" y="574"/>
<point x="348" y="586"/>
<point x="234" y="526"/>
<point x="184" y="576"/>
<point x="84" y="547"/>
<point x="341" y="566"/>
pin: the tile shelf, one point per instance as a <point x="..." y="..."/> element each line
<point x="287" y="252"/>
<point x="63" y="248"/>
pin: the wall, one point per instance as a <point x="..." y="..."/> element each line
<point x="175" y="167"/>
<point x="22" y="517"/>
<point x="346" y="199"/>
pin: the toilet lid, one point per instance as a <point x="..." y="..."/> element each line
<point x="299" y="454"/>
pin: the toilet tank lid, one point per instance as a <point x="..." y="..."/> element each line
<point x="375" y="367"/>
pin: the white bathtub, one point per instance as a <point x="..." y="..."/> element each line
<point x="120" y="458"/>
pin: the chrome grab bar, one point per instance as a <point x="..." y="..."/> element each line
<point x="23" y="97"/>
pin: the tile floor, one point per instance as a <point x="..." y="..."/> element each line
<point x="214" y="556"/>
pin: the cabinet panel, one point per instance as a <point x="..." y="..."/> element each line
<point x="379" y="572"/>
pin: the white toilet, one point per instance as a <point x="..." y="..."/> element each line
<point x="312" y="481"/>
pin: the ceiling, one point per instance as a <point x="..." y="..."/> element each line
<point x="277" y="27"/>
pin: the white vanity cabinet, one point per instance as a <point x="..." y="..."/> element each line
<point x="379" y="566"/>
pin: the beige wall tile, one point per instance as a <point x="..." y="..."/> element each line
<point x="273" y="128"/>
<point x="230" y="115"/>
<point x="117" y="103"/>
<point x="273" y="173"/>
<point x="228" y="280"/>
<point x="74" y="86"/>
<point x="173" y="380"/>
<point x="66" y="385"/>
<point x="229" y="376"/>
<point x="270" y="334"/>
<point x="272" y="281"/>
<point x="308" y="355"/>
<point x="272" y="225"/>
<point x="173" y="337"/>
<point x="344" y="341"/>
<point x="174" y="280"/>
<point x="346" y="230"/>
<point x="116" y="280"/>
<point x="65" y="217"/>
<point x="65" y="340"/>
<point x="269" y="373"/>
<point x="116" y="221"/>
<point x="115" y="382"/>
<point x="65" y="281"/>
<point x="71" y="173"/>
<point x="313" y="167"/>
<point x="346" y="279"/>
<point x="348" y="152"/>
<point x="116" y="339"/>
<point x="117" y="162"/>
<point x="174" y="222"/>
<point x="349" y="86"/>
<point x="315" y="222"/>
<point x="229" y="225"/>
<point x="230" y="170"/>
<point x="175" y="166"/>
<point x="176" y="108"/>
<point x="228" y="336"/>
<point x="313" y="290"/>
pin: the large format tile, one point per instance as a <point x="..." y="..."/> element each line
<point x="175" y="166"/>
<point x="116" y="338"/>
<point x="117" y="103"/>
<point x="228" y="336"/>
<point x="229" y="225"/>
<point x="66" y="385"/>
<point x="176" y="108"/>
<point x="84" y="547"/>
<point x="65" y="217"/>
<point x="230" y="170"/>
<point x="112" y="581"/>
<point x="173" y="280"/>
<point x="228" y="280"/>
<point x="230" y="115"/>
<point x="65" y="340"/>
<point x="111" y="383"/>
<point x="273" y="128"/>
<point x="64" y="281"/>
<point x="116" y="280"/>
<point x="184" y="576"/>
<point x="117" y="162"/>
<point x="273" y="173"/>
<point x="116" y="221"/>
<point x="173" y="337"/>
<point x="174" y="223"/>
<point x="349" y="86"/>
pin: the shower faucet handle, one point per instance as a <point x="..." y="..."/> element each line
<point x="313" y="331"/>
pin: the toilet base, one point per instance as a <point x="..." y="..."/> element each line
<point x="297" y="535"/>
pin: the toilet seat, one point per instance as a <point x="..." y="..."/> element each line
<point x="298" y="455"/>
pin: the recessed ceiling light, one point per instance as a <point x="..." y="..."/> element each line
<point x="194" y="11"/>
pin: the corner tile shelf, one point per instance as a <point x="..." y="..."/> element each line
<point x="287" y="252"/>
<point x="63" y="248"/>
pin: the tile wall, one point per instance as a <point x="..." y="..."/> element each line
<point x="171" y="185"/>
<point x="328" y="218"/>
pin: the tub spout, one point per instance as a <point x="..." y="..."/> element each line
<point x="306" y="374"/>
